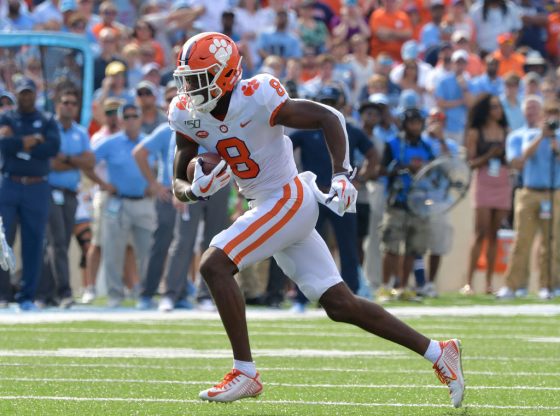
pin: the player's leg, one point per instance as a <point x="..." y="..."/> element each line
<point x="311" y="266"/>
<point x="268" y="227"/>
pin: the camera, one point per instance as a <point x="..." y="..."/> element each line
<point x="552" y="124"/>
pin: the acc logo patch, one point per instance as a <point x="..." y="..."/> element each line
<point x="224" y="128"/>
<point x="202" y="134"/>
<point x="250" y="88"/>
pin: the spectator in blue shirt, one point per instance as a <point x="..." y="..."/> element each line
<point x="534" y="148"/>
<point x="279" y="42"/>
<point x="489" y="82"/>
<point x="75" y="154"/>
<point x="315" y="158"/>
<point x="454" y="96"/>
<point x="511" y="101"/>
<point x="430" y="34"/>
<point x="404" y="155"/>
<point x="16" y="19"/>
<point x="28" y="139"/>
<point x="157" y="145"/>
<point x="128" y="211"/>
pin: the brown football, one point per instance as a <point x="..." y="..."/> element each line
<point x="209" y="161"/>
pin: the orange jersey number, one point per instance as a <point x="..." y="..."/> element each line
<point x="234" y="151"/>
<point x="278" y="87"/>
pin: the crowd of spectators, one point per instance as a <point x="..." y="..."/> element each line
<point x="456" y="78"/>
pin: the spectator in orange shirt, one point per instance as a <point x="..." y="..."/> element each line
<point x="390" y="28"/>
<point x="144" y="33"/>
<point x="553" y="33"/>
<point x="108" y="13"/>
<point x="510" y="61"/>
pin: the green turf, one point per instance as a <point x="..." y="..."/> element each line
<point x="506" y="373"/>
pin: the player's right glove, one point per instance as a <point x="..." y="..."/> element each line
<point x="203" y="186"/>
<point x="342" y="194"/>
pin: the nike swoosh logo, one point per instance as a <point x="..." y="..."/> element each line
<point x="216" y="393"/>
<point x="244" y="124"/>
<point x="453" y="375"/>
<point x="205" y="189"/>
<point x="343" y="187"/>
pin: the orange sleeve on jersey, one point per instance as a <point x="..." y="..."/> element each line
<point x="272" y="119"/>
<point x="184" y="136"/>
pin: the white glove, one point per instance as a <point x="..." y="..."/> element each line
<point x="7" y="258"/>
<point x="342" y="194"/>
<point x="203" y="186"/>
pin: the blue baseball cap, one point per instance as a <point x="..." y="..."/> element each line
<point x="329" y="93"/>
<point x="24" y="84"/>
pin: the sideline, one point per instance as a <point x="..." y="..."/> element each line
<point x="91" y="313"/>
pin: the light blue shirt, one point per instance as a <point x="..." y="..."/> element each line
<point x="514" y="114"/>
<point x="283" y="44"/>
<point x="124" y="173"/>
<point x="430" y="35"/>
<point x="385" y="134"/>
<point x="73" y="142"/>
<point x="537" y="170"/>
<point x="435" y="144"/>
<point x="483" y="84"/>
<point x="158" y="144"/>
<point x="448" y="89"/>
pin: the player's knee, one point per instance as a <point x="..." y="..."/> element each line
<point x="340" y="305"/>
<point x="214" y="264"/>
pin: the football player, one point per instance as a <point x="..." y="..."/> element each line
<point x="243" y="121"/>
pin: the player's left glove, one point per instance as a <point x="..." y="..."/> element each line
<point x="342" y="195"/>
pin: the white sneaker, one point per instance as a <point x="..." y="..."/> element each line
<point x="545" y="294"/>
<point x="88" y="296"/>
<point x="207" y="305"/>
<point x="428" y="290"/>
<point x="505" y="293"/>
<point x="449" y="370"/>
<point x="166" y="304"/>
<point x="521" y="293"/>
<point x="235" y="385"/>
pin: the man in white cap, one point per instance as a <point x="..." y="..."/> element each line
<point x="454" y="96"/>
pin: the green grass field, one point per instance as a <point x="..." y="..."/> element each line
<point x="310" y="366"/>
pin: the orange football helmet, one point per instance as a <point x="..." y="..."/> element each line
<point x="208" y="66"/>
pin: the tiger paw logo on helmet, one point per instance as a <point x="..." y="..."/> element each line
<point x="221" y="50"/>
<point x="250" y="88"/>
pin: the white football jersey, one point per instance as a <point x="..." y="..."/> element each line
<point x="259" y="154"/>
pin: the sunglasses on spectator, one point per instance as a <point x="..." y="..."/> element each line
<point x="109" y="12"/>
<point x="130" y="116"/>
<point x="69" y="102"/>
<point x="80" y="24"/>
<point x="144" y="93"/>
<point x="111" y="113"/>
<point x="5" y="103"/>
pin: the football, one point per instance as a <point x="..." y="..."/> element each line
<point x="209" y="161"/>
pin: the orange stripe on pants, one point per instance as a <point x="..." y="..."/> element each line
<point x="259" y="222"/>
<point x="292" y="211"/>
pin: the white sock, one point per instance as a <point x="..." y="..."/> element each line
<point x="433" y="352"/>
<point x="247" y="367"/>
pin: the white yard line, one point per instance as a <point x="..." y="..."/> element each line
<point x="167" y="353"/>
<point x="11" y="316"/>
<point x="260" y="402"/>
<point x="533" y="337"/>
<point x="277" y="369"/>
<point x="306" y="385"/>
